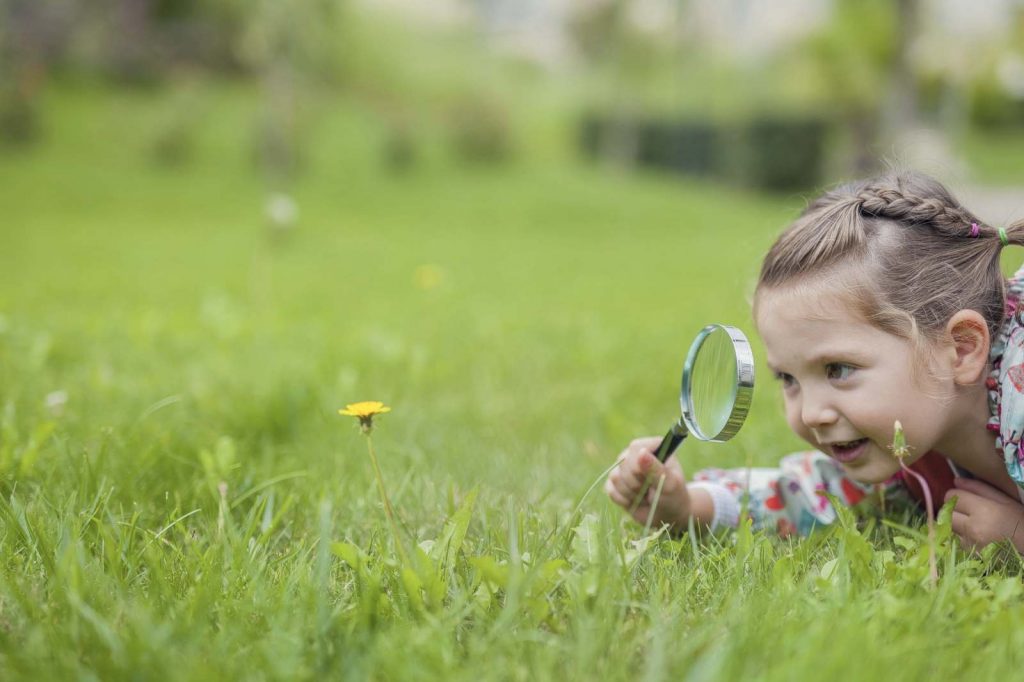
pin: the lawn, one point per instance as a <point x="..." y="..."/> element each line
<point x="181" y="500"/>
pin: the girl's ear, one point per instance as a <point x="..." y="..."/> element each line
<point x="968" y="332"/>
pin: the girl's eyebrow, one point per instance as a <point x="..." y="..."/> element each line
<point x="837" y="355"/>
<point x="827" y="356"/>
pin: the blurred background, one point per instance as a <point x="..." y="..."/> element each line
<point x="778" y="96"/>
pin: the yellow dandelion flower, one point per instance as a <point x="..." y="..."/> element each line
<point x="365" y="411"/>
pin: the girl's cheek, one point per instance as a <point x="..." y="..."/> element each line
<point x="796" y="424"/>
<point x="804" y="434"/>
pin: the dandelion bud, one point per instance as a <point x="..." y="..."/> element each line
<point x="899" y="441"/>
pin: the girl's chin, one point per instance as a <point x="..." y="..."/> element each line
<point x="872" y="472"/>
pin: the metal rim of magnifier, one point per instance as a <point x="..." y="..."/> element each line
<point x="743" y="388"/>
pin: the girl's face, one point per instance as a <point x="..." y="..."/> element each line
<point x="845" y="382"/>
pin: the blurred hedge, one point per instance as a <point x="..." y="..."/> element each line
<point x="772" y="153"/>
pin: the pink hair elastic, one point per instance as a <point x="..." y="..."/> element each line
<point x="974" y="229"/>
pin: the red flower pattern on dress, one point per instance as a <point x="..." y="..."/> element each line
<point x="852" y="493"/>
<point x="1016" y="374"/>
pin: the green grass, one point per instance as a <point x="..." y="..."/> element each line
<point x="196" y="351"/>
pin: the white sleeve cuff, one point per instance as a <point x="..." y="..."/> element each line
<point x="725" y="504"/>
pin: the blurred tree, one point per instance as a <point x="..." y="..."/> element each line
<point x="996" y="89"/>
<point x="204" y="33"/>
<point x="173" y="136"/>
<point x="133" y="50"/>
<point x="853" y="60"/>
<point x="32" y="35"/>
<point x="902" y="112"/>
<point x="595" y="29"/>
<point x="289" y="44"/>
<point x="609" y="40"/>
<point x="960" y="87"/>
<point x="480" y="130"/>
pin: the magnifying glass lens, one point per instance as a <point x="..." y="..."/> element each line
<point x="717" y="385"/>
<point x="713" y="384"/>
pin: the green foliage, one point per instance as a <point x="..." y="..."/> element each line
<point x="992" y="107"/>
<point x="480" y="130"/>
<point x="19" y="117"/>
<point x="852" y="56"/>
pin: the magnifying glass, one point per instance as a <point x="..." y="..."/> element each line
<point x="717" y="387"/>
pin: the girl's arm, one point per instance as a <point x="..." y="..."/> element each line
<point x="786" y="499"/>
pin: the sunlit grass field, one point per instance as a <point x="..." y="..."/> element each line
<point x="181" y="500"/>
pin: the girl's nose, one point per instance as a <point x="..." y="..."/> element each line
<point x="816" y="413"/>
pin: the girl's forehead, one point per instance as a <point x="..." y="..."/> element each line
<point x="811" y="300"/>
<point x="807" y="327"/>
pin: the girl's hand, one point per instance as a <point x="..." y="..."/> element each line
<point x="638" y="466"/>
<point x="983" y="515"/>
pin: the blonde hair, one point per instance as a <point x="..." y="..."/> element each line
<point x="902" y="246"/>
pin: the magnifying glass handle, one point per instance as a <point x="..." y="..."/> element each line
<point x="676" y="435"/>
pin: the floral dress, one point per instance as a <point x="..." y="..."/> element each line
<point x="789" y="499"/>
<point x="1005" y="383"/>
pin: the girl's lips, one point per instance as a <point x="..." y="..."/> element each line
<point x="846" y="454"/>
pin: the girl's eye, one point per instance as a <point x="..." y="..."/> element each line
<point x="786" y="379"/>
<point x="838" y="371"/>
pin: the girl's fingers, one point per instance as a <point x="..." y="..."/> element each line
<point x="621" y="495"/>
<point x="672" y="464"/>
<point x="966" y="501"/>
<point x="648" y="444"/>
<point x="637" y="468"/>
<point x="617" y="480"/>
<point x="959" y="523"/>
<point x="641" y="513"/>
<point x="663" y="482"/>
<point x="617" y="497"/>
<point x="615" y="483"/>
<point x="635" y="472"/>
<point x="982" y="490"/>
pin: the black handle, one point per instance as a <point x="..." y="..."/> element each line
<point x="676" y="435"/>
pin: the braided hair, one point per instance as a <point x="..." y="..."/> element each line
<point x="902" y="249"/>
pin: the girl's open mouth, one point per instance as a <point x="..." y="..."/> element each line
<point x="850" y="450"/>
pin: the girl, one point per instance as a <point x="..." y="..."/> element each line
<point x="884" y="301"/>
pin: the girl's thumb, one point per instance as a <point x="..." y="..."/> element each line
<point x="649" y="464"/>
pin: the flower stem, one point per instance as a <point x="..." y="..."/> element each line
<point x="388" y="511"/>
<point x="930" y="510"/>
